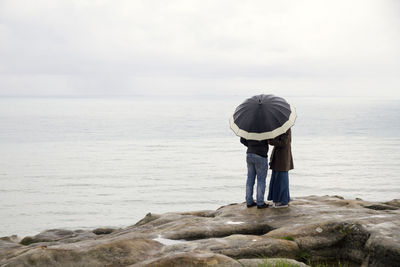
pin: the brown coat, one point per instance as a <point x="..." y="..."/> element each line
<point x="281" y="157"/>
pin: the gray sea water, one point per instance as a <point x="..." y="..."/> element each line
<point x="79" y="163"/>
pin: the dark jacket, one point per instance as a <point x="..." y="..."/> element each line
<point x="256" y="147"/>
<point x="281" y="157"/>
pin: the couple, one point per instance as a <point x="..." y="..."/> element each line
<point x="257" y="165"/>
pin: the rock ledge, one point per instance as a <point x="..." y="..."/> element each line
<point x="312" y="229"/>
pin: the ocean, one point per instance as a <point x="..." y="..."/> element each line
<point x="83" y="163"/>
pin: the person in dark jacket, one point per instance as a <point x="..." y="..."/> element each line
<point x="257" y="166"/>
<point x="280" y="164"/>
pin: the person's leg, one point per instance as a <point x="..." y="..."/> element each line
<point x="288" y="190"/>
<point x="251" y="176"/>
<point x="261" y="168"/>
<point x="272" y="187"/>
<point x="283" y="188"/>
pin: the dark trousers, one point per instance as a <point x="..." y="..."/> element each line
<point x="279" y="187"/>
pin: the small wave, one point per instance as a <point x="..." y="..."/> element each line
<point x="131" y="201"/>
<point x="81" y="185"/>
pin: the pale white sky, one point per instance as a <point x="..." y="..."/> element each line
<point x="118" y="47"/>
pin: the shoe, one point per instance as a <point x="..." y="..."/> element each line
<point x="263" y="206"/>
<point x="279" y="205"/>
<point x="251" y="205"/>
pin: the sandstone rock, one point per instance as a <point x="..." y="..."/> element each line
<point x="148" y="218"/>
<point x="276" y="262"/>
<point x="327" y="240"/>
<point x="54" y="235"/>
<point x="379" y="206"/>
<point x="114" y="253"/>
<point x="190" y="259"/>
<point x="311" y="228"/>
<point x="383" y="245"/>
<point x="8" y="246"/>
<point x="12" y="239"/>
<point x="240" y="246"/>
<point x="103" y="231"/>
<point x="394" y="203"/>
<point x="9" y="242"/>
<point x="192" y="227"/>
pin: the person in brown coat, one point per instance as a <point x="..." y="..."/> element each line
<point x="280" y="164"/>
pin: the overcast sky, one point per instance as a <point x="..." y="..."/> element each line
<point x="115" y="47"/>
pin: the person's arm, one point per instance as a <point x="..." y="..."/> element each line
<point x="281" y="140"/>
<point x="243" y="141"/>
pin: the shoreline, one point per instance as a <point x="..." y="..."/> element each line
<point x="127" y="224"/>
<point x="313" y="228"/>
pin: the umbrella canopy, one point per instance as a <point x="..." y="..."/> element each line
<point x="262" y="117"/>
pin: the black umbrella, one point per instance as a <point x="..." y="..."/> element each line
<point x="262" y="117"/>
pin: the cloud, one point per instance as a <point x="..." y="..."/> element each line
<point x="125" y="47"/>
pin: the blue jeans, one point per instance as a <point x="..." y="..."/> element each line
<point x="279" y="187"/>
<point x="256" y="166"/>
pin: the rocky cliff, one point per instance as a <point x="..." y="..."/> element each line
<point x="311" y="229"/>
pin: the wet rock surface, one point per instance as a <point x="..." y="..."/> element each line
<point x="316" y="229"/>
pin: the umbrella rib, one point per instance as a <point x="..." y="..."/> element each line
<point x="246" y="117"/>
